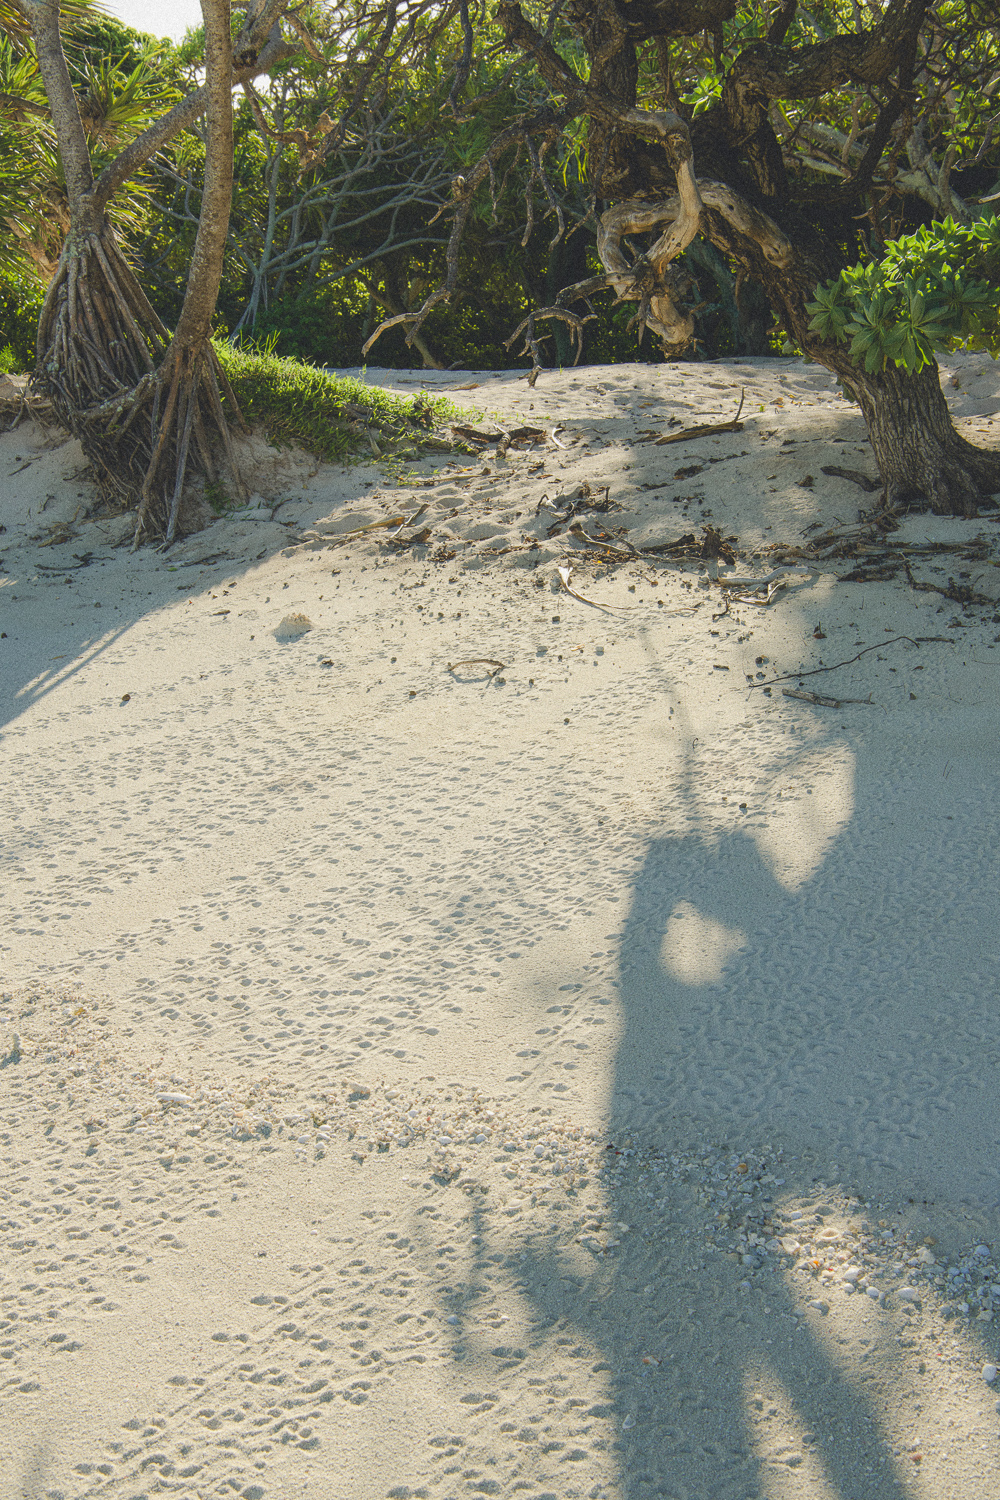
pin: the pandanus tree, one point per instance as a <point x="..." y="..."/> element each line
<point x="787" y="99"/>
<point x="150" y="405"/>
<point x="145" y="403"/>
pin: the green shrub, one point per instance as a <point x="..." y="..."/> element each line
<point x="929" y="291"/>
<point x="325" y="328"/>
<point x="20" y="304"/>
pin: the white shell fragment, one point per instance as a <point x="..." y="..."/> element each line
<point x="183" y="1099"/>
<point x="292" y="626"/>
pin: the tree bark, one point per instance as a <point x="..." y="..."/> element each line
<point x="147" y="408"/>
<point x="77" y="168"/>
<point x="924" y="464"/>
<point x="188" y="375"/>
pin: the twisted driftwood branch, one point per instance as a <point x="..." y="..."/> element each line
<point x="648" y="280"/>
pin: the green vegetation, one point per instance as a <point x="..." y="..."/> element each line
<point x="929" y="291"/>
<point x="327" y="415"/>
<point x="20" y="303"/>
<point x="863" y="140"/>
<point x="321" y="251"/>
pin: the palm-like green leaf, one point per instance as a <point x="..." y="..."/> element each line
<point x="117" y="104"/>
<point x="14" y="22"/>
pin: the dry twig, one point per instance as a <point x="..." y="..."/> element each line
<point x="479" y="661"/>
<point x="704" y="429"/>
<point x="823" y="702"/>
<point x="878" y="646"/>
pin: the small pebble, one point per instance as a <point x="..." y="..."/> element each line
<point x="628" y="1423"/>
<point x="989" y="1373"/>
<point x="908" y="1294"/>
<point x="873" y="1292"/>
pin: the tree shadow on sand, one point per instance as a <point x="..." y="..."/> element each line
<point x="838" y="1015"/>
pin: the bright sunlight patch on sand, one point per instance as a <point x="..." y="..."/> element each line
<point x="697" y="948"/>
<point x="784" y="1444"/>
<point x="809" y="807"/>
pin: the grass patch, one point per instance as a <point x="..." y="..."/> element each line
<point x="329" y="416"/>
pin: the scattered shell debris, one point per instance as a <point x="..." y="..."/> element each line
<point x="457" y="1136"/>
<point x="464" y="1138"/>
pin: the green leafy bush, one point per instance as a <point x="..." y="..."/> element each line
<point x="325" y="327"/>
<point x="20" y="304"/>
<point x="929" y="291"/>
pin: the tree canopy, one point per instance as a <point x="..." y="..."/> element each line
<point x="684" y="178"/>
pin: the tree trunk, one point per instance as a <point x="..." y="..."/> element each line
<point x="923" y="462"/>
<point x="188" y="375"/>
<point x="146" y="408"/>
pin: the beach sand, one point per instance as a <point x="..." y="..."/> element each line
<point x="569" y="1074"/>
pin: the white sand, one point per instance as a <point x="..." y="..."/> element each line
<point x="413" y="949"/>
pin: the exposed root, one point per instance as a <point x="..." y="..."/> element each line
<point x="147" y="415"/>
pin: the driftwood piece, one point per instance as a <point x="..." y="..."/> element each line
<point x="565" y="574"/>
<point x="822" y="702"/>
<point x="958" y="593"/>
<point x="854" y="475"/>
<point x="603" y="545"/>
<point x="704" y="429"/>
<point x="762" y="599"/>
